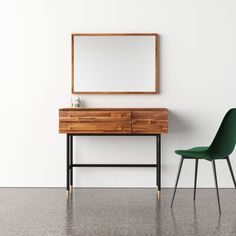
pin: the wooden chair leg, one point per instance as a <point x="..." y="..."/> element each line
<point x="195" y="179"/>
<point x="177" y="180"/>
<point x="231" y="171"/>
<point x="216" y="183"/>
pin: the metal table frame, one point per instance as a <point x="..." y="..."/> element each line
<point x="70" y="165"/>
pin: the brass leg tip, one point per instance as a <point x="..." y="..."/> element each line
<point x="158" y="193"/>
<point x="71" y="188"/>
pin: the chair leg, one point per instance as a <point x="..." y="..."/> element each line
<point x="195" y="179"/>
<point x="216" y="183"/>
<point x="177" y="179"/>
<point x="231" y="171"/>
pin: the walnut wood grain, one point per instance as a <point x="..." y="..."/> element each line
<point x="113" y="120"/>
<point x="149" y="122"/>
<point x="108" y="116"/>
<point x="112" y="109"/>
<point x="153" y="115"/>
<point x="95" y="127"/>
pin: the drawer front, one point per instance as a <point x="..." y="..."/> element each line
<point x="95" y="122"/>
<point x="95" y="127"/>
<point x="95" y="116"/>
<point x="149" y="122"/>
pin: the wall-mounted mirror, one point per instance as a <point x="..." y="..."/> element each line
<point x="115" y="63"/>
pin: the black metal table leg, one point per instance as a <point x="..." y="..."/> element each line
<point x="67" y="161"/>
<point x="70" y="165"/>
<point x="71" y="162"/>
<point x="158" y="162"/>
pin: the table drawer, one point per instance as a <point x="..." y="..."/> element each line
<point x="149" y="122"/>
<point x="95" y="127"/>
<point x="95" y="116"/>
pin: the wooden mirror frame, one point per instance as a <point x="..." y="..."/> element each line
<point x="115" y="34"/>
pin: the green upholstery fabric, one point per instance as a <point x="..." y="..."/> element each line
<point x="196" y="152"/>
<point x="222" y="145"/>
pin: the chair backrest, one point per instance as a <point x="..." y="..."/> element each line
<point x="225" y="139"/>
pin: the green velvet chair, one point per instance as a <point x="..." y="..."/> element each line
<point x="221" y="147"/>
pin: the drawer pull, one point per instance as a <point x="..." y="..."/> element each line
<point x="86" y="118"/>
<point x="143" y="120"/>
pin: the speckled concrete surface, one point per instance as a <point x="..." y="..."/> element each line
<point x="44" y="211"/>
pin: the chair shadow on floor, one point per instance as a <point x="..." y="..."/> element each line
<point x="196" y="228"/>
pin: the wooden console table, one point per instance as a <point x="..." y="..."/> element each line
<point x="112" y="121"/>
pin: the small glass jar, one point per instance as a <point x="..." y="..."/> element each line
<point x="75" y="102"/>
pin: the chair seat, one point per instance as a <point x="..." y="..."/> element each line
<point x="199" y="153"/>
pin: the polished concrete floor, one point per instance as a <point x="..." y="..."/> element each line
<point x="45" y="211"/>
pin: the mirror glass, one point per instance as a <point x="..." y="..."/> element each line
<point x="114" y="63"/>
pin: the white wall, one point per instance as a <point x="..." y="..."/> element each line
<point x="197" y="79"/>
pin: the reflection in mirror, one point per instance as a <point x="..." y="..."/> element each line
<point x="114" y="63"/>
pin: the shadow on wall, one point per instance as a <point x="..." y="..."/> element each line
<point x="179" y="137"/>
<point x="178" y="124"/>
